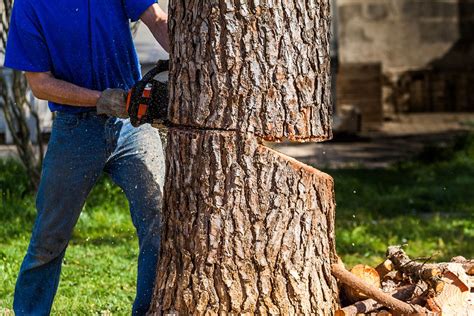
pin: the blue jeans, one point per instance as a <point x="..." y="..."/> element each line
<point x="81" y="147"/>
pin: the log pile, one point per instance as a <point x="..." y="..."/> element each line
<point x="402" y="286"/>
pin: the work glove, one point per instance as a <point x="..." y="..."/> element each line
<point x="113" y="102"/>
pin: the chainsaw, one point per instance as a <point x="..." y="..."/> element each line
<point x="147" y="101"/>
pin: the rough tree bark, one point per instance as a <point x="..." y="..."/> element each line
<point x="247" y="230"/>
<point x="260" y="67"/>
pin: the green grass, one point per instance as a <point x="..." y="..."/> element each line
<point x="98" y="274"/>
<point x="427" y="203"/>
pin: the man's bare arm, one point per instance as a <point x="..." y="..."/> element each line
<point x="157" y="21"/>
<point x="46" y="87"/>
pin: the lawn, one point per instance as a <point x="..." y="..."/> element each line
<point x="98" y="274"/>
<point x="427" y="203"/>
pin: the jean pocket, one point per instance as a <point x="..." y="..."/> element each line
<point x="65" y="122"/>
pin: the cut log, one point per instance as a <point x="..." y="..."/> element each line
<point x="378" y="295"/>
<point x="403" y="263"/>
<point x="395" y="276"/>
<point x="455" y="273"/>
<point x="258" y="67"/>
<point x="453" y="299"/>
<point x="246" y="230"/>
<point x="468" y="265"/>
<point x="368" y="275"/>
<point x="429" y="273"/>
<point x="370" y="305"/>
<point x="384" y="268"/>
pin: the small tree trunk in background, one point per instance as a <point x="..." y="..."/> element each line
<point x="247" y="230"/>
<point x="14" y="104"/>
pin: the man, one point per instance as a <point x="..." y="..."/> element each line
<point x="79" y="55"/>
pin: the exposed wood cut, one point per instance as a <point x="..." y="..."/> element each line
<point x="384" y="268"/>
<point x="367" y="274"/>
<point x="468" y="265"/>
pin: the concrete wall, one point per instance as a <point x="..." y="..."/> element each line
<point x="426" y="48"/>
<point x="401" y="34"/>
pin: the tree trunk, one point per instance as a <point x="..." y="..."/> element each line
<point x="14" y="106"/>
<point x="247" y="230"/>
<point x="260" y="67"/>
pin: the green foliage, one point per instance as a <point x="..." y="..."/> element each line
<point x="425" y="203"/>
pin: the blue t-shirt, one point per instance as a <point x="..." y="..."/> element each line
<point x="84" y="42"/>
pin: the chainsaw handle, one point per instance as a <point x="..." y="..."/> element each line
<point x="161" y="66"/>
<point x="135" y="97"/>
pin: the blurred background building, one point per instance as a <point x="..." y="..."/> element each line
<point x="405" y="56"/>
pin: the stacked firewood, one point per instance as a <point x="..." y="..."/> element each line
<point x="402" y="286"/>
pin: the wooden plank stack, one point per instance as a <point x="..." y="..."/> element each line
<point x="360" y="85"/>
<point x="402" y="286"/>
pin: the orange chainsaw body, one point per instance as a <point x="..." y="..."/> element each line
<point x="147" y="101"/>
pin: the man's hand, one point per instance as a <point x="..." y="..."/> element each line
<point x="112" y="102"/>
